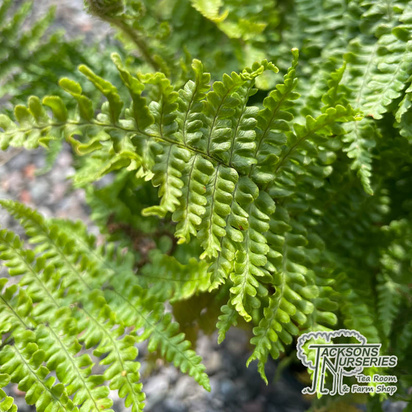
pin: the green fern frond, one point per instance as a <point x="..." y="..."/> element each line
<point x="273" y="122"/>
<point x="117" y="346"/>
<point x="75" y="372"/>
<point x="39" y="277"/>
<point x="167" y="279"/>
<point x="358" y="147"/>
<point x="163" y="334"/>
<point x="358" y="316"/>
<point x="23" y="362"/>
<point x="59" y="275"/>
<point x="227" y="319"/>
<point x="388" y="302"/>
<point x="293" y="296"/>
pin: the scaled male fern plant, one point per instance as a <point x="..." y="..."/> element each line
<point x="282" y="194"/>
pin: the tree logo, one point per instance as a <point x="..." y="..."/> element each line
<point x="321" y="356"/>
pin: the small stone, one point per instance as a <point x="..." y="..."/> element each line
<point x="22" y="159"/>
<point x="236" y="341"/>
<point x="13" y="182"/>
<point x="29" y="171"/>
<point x="213" y="363"/>
<point x="156" y="390"/>
<point x="398" y="406"/>
<point x="252" y="406"/>
<point x="184" y="387"/>
<point x="228" y="390"/>
<point x="173" y="405"/>
<point x="157" y="383"/>
<point x="25" y="196"/>
<point x="40" y="191"/>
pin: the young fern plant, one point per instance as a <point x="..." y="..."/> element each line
<point x="219" y="164"/>
<point x="262" y="204"/>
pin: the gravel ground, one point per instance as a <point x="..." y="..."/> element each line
<point x="234" y="387"/>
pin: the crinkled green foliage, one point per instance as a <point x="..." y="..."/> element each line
<point x="288" y="210"/>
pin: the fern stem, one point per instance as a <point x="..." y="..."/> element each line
<point x="136" y="39"/>
<point x="212" y="158"/>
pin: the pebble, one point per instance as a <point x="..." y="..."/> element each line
<point x="185" y="386"/>
<point x="228" y="389"/>
<point x="173" y="405"/>
<point x="156" y="390"/>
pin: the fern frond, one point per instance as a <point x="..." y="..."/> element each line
<point x="293" y="296"/>
<point x="23" y="363"/>
<point x="360" y="140"/>
<point x="23" y="360"/>
<point x="210" y="10"/>
<point x="99" y="322"/>
<point x="110" y="339"/>
<point x="190" y="105"/>
<point x="54" y="243"/>
<point x="39" y="278"/>
<point x="377" y="72"/>
<point x="167" y="279"/>
<point x="389" y="301"/>
<point x="405" y="338"/>
<point x="193" y="201"/>
<point x="123" y="371"/>
<point x="72" y="371"/>
<point x="167" y="175"/>
<point x="358" y="316"/>
<point x="16" y="307"/>
<point x="219" y="192"/>
<point x="249" y="262"/>
<point x="163" y="334"/>
<point x="394" y="60"/>
<point x="273" y="122"/>
<point x="6" y="402"/>
<point x="227" y="319"/>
